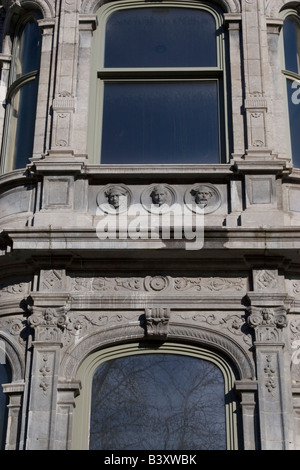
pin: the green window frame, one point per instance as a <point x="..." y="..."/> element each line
<point x="158" y="78"/>
<point x="86" y="371"/>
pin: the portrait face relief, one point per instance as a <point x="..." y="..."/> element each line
<point x="159" y="195"/>
<point x="204" y="197"/>
<point x="114" y="199"/>
<point x="201" y="196"/>
<point x="158" y="198"/>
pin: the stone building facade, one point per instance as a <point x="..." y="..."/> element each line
<point x="75" y="293"/>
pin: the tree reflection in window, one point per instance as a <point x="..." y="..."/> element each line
<point x="158" y="402"/>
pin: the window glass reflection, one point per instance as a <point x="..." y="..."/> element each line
<point x="161" y="37"/>
<point x="158" y="402"/>
<point x="23" y="112"/>
<point x="291" y="34"/>
<point x="29" y="49"/>
<point x="155" y="122"/>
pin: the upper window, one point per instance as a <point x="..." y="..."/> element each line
<point x="160" y="86"/>
<point x="22" y="94"/>
<point x="291" y="38"/>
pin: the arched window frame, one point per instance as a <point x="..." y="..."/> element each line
<point x="85" y="374"/>
<point x="289" y="75"/>
<point x="16" y="83"/>
<point x="99" y="74"/>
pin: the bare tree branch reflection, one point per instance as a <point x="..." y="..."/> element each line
<point x="158" y="402"/>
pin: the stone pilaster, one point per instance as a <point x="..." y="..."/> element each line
<point x="256" y="102"/>
<point x="248" y="393"/>
<point x="14" y="392"/>
<point x="268" y="318"/>
<point x="48" y="325"/>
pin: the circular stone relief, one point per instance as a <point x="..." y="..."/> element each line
<point x="114" y="199"/>
<point x="156" y="283"/>
<point x="203" y="197"/>
<point x="158" y="198"/>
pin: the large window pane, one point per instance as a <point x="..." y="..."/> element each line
<point x="291" y="34"/>
<point x="23" y="111"/>
<point x="158" y="402"/>
<point x="29" y="49"/>
<point x="161" y="37"/>
<point x="155" y="122"/>
<point x="293" y="91"/>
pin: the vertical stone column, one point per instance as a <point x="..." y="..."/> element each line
<point x="256" y="103"/>
<point x="67" y="391"/>
<point x="268" y="319"/>
<point x="87" y="24"/>
<point x="233" y="22"/>
<point x="276" y="84"/>
<point x="64" y="103"/>
<point x="42" y="130"/>
<point x="248" y="393"/>
<point x="15" y="392"/>
<point x="48" y="325"/>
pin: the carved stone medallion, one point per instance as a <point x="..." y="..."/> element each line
<point x="203" y="197"/>
<point x="158" y="198"/>
<point x="114" y="199"/>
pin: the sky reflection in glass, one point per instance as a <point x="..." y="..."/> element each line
<point x="161" y="122"/>
<point x="161" y="37"/>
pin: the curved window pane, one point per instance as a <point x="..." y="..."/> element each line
<point x="23" y="111"/>
<point x="291" y="34"/>
<point x="154" y="122"/>
<point x="29" y="49"/>
<point x="158" y="402"/>
<point x="161" y="37"/>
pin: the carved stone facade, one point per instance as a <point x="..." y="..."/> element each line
<point x="94" y="257"/>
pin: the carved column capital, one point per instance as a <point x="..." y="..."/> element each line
<point x="48" y="323"/>
<point x="267" y="322"/>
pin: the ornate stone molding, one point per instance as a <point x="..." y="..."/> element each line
<point x="157" y="283"/>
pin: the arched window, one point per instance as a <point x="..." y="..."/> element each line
<point x="177" y="397"/>
<point x="291" y="39"/>
<point x="160" y="74"/>
<point x="22" y="93"/>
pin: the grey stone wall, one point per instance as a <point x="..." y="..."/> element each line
<point x="66" y="292"/>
